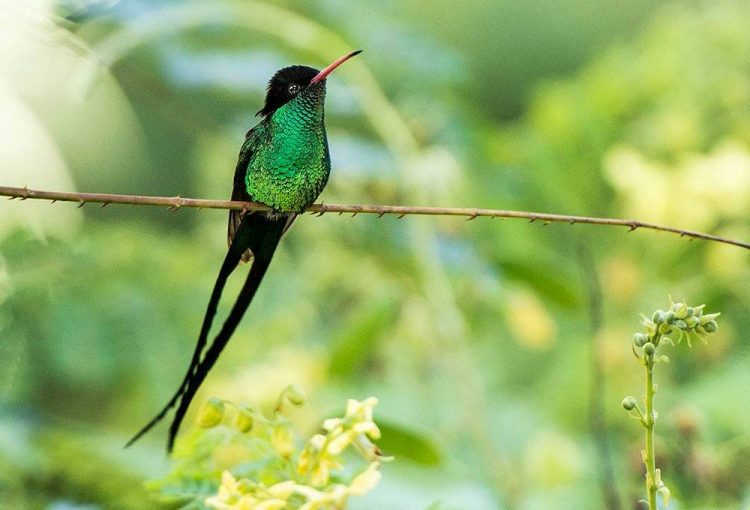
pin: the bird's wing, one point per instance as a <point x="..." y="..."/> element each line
<point x="239" y="188"/>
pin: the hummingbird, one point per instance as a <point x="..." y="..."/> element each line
<point x="284" y="163"/>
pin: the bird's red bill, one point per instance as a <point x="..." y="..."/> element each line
<point x="329" y="69"/>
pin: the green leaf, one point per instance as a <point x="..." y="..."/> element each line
<point x="404" y="442"/>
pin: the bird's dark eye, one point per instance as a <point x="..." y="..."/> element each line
<point x="293" y="88"/>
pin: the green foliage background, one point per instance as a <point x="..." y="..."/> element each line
<point x="499" y="351"/>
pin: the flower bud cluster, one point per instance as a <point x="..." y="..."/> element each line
<point x="680" y="318"/>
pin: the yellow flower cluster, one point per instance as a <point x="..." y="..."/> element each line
<point x="246" y="495"/>
<point x="311" y="486"/>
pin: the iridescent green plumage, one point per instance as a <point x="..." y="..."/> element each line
<point x="290" y="163"/>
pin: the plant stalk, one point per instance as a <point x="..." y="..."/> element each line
<point x="650" y="458"/>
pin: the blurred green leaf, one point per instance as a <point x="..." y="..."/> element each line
<point x="402" y="441"/>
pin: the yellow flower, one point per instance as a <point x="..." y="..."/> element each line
<point x="283" y="438"/>
<point x="366" y="480"/>
<point x="311" y="487"/>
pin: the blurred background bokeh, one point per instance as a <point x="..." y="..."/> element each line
<point x="499" y="350"/>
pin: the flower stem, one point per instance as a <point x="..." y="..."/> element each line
<point x="650" y="458"/>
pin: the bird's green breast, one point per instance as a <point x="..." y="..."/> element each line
<point x="290" y="163"/>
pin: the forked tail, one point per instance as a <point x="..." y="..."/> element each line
<point x="261" y="235"/>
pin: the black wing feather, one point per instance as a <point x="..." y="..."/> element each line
<point x="239" y="189"/>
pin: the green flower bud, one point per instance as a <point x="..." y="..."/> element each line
<point x="665" y="328"/>
<point x="700" y="330"/>
<point x="649" y="349"/>
<point x="658" y="317"/>
<point x="711" y="326"/>
<point x="245" y="420"/>
<point x="709" y="317"/>
<point x="692" y="321"/>
<point x="629" y="403"/>
<point x="665" y="495"/>
<point x="639" y="339"/>
<point x="669" y="317"/>
<point x="650" y="327"/>
<point x="211" y="413"/>
<point x="681" y="324"/>
<point x="295" y="395"/>
<point x="680" y="310"/>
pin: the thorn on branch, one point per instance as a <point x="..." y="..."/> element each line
<point x="80" y="204"/>
<point x="473" y="216"/>
<point x="104" y="204"/>
<point x="401" y="215"/>
<point x="320" y="213"/>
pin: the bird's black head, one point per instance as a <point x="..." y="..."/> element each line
<point x="285" y="85"/>
<point x="289" y="82"/>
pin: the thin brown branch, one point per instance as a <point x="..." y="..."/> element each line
<point x="178" y="202"/>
